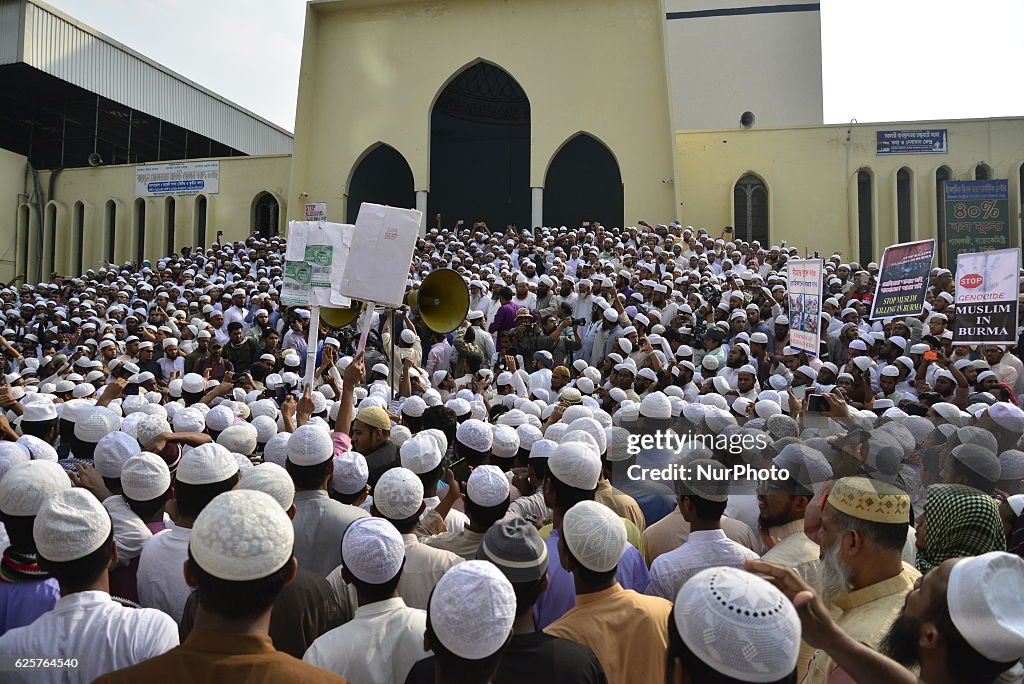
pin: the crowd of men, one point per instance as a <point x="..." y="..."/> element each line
<point x="484" y="505"/>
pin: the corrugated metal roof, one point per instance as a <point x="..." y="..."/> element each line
<point x="51" y="41"/>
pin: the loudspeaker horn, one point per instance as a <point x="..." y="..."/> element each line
<point x="339" y="317"/>
<point x="442" y="300"/>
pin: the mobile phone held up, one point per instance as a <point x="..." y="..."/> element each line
<point x="816" y="403"/>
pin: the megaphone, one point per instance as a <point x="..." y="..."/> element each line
<point x="339" y="317"/>
<point x="442" y="300"/>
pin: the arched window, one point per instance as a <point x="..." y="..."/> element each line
<point x="1020" y="193"/>
<point x="78" y="237"/>
<point x="169" y="225"/>
<point x="200" y="221"/>
<point x="942" y="174"/>
<point x="50" y="226"/>
<point x="140" y="230"/>
<point x="982" y="172"/>
<point x="24" y="225"/>
<point x="865" y="216"/>
<point x="111" y="222"/>
<point x="904" y="205"/>
<point x="750" y="209"/>
<point x="265" y="215"/>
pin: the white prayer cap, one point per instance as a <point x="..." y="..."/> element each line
<point x="12" y="454"/>
<point x="398" y="494"/>
<point x="37" y="448"/>
<point x="528" y="435"/>
<point x="148" y="429"/>
<point x="439" y="437"/>
<point x="266" y="428"/>
<point x="986" y="604"/>
<point x="656" y="405"/>
<point x="310" y="445"/>
<point x="145" y="476"/>
<point x="505" y="441"/>
<point x="263" y="407"/>
<point x="27" y="486"/>
<point x="575" y="464"/>
<point x="472" y="609"/>
<point x="220" y="417"/>
<point x="350" y="473"/>
<point x="805" y="465"/>
<point x="1016" y="503"/>
<point x="979" y="460"/>
<point x="1011" y="465"/>
<point x="242" y="535"/>
<point x="206" y="464"/>
<point x="920" y="427"/>
<point x="421" y="454"/>
<point x="38" y="411"/>
<point x="372" y="550"/>
<point x="408" y="336"/>
<point x="1007" y="416"/>
<point x="239" y="439"/>
<point x="271" y="479"/>
<point x="543" y="448"/>
<point x="414" y="406"/>
<point x="595" y="535"/>
<point x="723" y="611"/>
<point x="189" y="419"/>
<point x="399" y="435"/>
<point x="594" y="429"/>
<point x="276" y="450"/>
<point x="949" y="412"/>
<point x="70" y="525"/>
<point x="459" y="406"/>
<point x="113" y="451"/>
<point x="575" y="411"/>
<point x="487" y="486"/>
<point x="99" y="421"/>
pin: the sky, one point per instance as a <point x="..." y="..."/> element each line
<point x="882" y="60"/>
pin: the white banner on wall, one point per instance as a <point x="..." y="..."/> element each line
<point x="178" y="178"/>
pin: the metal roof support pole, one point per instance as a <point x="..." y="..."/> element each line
<point x="63" y="130"/>
<point x="96" y="127"/>
<point x="130" y="113"/>
<point x="159" y="138"/>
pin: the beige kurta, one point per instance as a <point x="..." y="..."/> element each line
<point x="628" y="632"/>
<point x="624" y="505"/>
<point x="867" y="615"/>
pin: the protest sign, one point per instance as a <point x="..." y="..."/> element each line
<point x="986" y="297"/>
<point x="316" y="211"/>
<point x="315" y="260"/>
<point x="378" y="263"/>
<point x="805" y="305"/>
<point x="977" y="217"/>
<point x="904" y="279"/>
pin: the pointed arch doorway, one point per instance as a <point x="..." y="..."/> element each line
<point x="480" y="150"/>
<point x="583" y="184"/>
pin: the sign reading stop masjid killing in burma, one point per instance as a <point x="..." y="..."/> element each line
<point x="986" y="297"/>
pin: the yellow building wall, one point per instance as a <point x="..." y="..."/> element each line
<point x="372" y="69"/>
<point x="107" y="193"/>
<point x="13" y="168"/>
<point x="811" y="175"/>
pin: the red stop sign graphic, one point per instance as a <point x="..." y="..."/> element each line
<point x="972" y="280"/>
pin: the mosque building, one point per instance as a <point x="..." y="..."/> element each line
<point x="525" y="113"/>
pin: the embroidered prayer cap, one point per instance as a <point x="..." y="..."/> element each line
<point x="871" y="500"/>
<point x="242" y="535"/>
<point x="70" y="525"/>
<point x="472" y="609"/>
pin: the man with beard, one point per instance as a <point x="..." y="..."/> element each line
<point x="963" y="624"/>
<point x="781" y="506"/>
<point x="734" y="360"/>
<point x="863" y="529"/>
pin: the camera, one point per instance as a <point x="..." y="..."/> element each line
<point x="579" y="321"/>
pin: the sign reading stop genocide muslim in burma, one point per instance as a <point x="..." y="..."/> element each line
<point x="903" y="282"/>
<point x="986" y="297"/>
